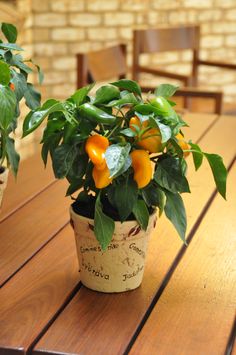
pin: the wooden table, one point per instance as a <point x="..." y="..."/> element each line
<point x="186" y="303"/>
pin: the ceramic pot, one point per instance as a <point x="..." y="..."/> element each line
<point x="3" y="183"/>
<point x="119" y="268"/>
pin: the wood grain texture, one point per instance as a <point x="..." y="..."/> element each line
<point x="196" y="311"/>
<point x="104" y="324"/>
<point x="32" y="178"/>
<point x="234" y="348"/>
<point x="33" y="296"/>
<point x="28" y="229"/>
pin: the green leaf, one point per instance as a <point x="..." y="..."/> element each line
<point x="164" y="129"/>
<point x="11" y="46"/>
<point x="32" y="97"/>
<point x="49" y="145"/>
<point x="5" y="74"/>
<point x="141" y="214"/>
<point x="118" y="159"/>
<point x="197" y="156"/>
<point x="104" y="226"/>
<point x="17" y="61"/>
<point x="128" y="132"/>
<point x="78" y="168"/>
<point x="126" y="99"/>
<point x="175" y="212"/>
<point x="95" y="114"/>
<point x="12" y="156"/>
<point x="219" y="172"/>
<point x="129" y="85"/>
<point x="18" y="79"/>
<point x="40" y="73"/>
<point x="35" y="118"/>
<point x="177" y="149"/>
<point x="166" y="90"/>
<point x="154" y="196"/>
<point x="74" y="186"/>
<point x="7" y="105"/>
<point x="169" y="175"/>
<point x="105" y="94"/>
<point x="62" y="160"/>
<point x="125" y="197"/>
<point x="10" y="32"/>
<point x="79" y="96"/>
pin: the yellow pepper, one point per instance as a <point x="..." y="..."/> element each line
<point x="141" y="164"/>
<point x="95" y="147"/>
<point x="101" y="177"/>
<point x="150" y="140"/>
<point x="182" y="143"/>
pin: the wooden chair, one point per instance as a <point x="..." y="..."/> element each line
<point x="110" y="63"/>
<point x="101" y="65"/>
<point x="174" y="39"/>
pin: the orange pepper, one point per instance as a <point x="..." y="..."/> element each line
<point x="101" y="177"/>
<point x="12" y="86"/>
<point x="95" y="147"/>
<point x="141" y="164"/>
<point x="182" y="143"/>
<point x="152" y="144"/>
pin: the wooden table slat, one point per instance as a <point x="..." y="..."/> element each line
<point x="196" y="310"/>
<point x="32" y="178"/>
<point x="100" y="323"/>
<point x="23" y="233"/>
<point x="34" y="295"/>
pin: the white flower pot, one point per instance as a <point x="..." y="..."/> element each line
<point x="3" y="183"/>
<point x="119" y="268"/>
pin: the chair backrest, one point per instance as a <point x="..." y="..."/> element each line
<point x="165" y="39"/>
<point x="101" y="65"/>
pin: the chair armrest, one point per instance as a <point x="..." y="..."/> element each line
<point x="217" y="64"/>
<point x="184" y="78"/>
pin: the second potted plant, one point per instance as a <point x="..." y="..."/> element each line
<point x="14" y="86"/>
<point x="126" y="157"/>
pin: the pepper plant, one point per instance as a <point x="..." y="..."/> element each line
<point x="123" y="155"/>
<point x="14" y="86"/>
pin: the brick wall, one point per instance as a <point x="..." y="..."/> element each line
<point x="60" y="28"/>
<point x="54" y="31"/>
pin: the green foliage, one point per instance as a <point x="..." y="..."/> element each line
<point x="119" y="195"/>
<point x="103" y="225"/>
<point x="105" y="94"/>
<point x="14" y="86"/>
<point x="141" y="214"/>
<point x="8" y="107"/>
<point x="118" y="159"/>
<point x="169" y="175"/>
<point x="197" y="155"/>
<point x="129" y="85"/>
<point x="5" y="74"/>
<point x="9" y="31"/>
<point x="166" y="90"/>
<point x="175" y="212"/>
<point x="219" y="172"/>
<point x="125" y="197"/>
<point x="154" y="196"/>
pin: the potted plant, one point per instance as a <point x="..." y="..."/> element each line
<point x="14" y="86"/>
<point x="125" y="157"/>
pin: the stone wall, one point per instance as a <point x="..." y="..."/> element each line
<point x="53" y="31"/>
<point x="61" y="28"/>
